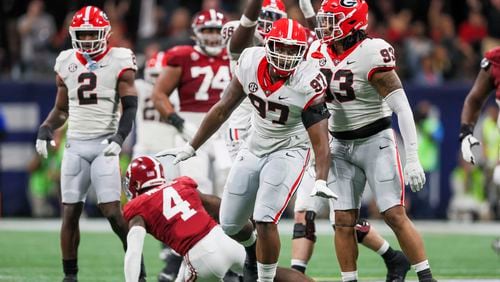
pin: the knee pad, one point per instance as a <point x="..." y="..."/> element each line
<point x="308" y="230"/>
<point x="362" y="228"/>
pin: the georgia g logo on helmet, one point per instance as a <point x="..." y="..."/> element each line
<point x="348" y="3"/>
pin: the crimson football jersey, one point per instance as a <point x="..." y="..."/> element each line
<point x="492" y="58"/>
<point x="203" y="78"/>
<point x="173" y="214"/>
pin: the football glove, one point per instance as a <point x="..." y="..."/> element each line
<point x="43" y="139"/>
<point x="414" y="174"/>
<point x="114" y="145"/>
<point x="181" y="153"/>
<point x="321" y="189"/>
<point x="470" y="149"/>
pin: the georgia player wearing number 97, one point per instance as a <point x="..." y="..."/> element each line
<point x="365" y="90"/>
<point x="200" y="73"/>
<point x="289" y="115"/>
<point x="93" y="81"/>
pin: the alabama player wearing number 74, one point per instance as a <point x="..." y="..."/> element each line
<point x="289" y="115"/>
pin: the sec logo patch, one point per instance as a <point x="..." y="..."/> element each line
<point x="252" y="87"/>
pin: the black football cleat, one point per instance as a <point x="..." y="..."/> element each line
<point x="250" y="271"/>
<point x="70" y="278"/>
<point x="397" y="268"/>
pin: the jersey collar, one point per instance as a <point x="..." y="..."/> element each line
<point x="82" y="59"/>
<point x="265" y="79"/>
<point x="338" y="58"/>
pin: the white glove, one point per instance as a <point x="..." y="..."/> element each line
<point x="496" y="175"/>
<point x="320" y="189"/>
<point x="414" y="174"/>
<point x="181" y="153"/>
<point x="113" y="148"/>
<point x="41" y="147"/>
<point x="470" y="149"/>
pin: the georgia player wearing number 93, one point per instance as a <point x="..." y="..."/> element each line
<point x="289" y="115"/>
<point x="93" y="81"/>
<point x="364" y="91"/>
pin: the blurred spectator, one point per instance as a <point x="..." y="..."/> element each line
<point x="430" y="135"/>
<point x="417" y="46"/>
<point x="427" y="73"/>
<point x="44" y="179"/>
<point x="469" y="198"/>
<point x="493" y="19"/>
<point x="473" y="30"/>
<point x="36" y="29"/>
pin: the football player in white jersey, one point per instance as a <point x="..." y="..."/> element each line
<point x="93" y="80"/>
<point x="364" y="91"/>
<point x="289" y="110"/>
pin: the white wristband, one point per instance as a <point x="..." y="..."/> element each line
<point x="246" y="22"/>
<point x="307" y="8"/>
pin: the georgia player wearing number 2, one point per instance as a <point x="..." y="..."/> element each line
<point x="90" y="78"/>
<point x="364" y="91"/>
<point x="289" y="115"/>
<point x="200" y="73"/>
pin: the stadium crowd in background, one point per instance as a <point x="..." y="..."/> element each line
<point x="436" y="40"/>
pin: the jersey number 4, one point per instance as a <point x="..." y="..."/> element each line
<point x="218" y="82"/>
<point x="346" y="79"/>
<point x="88" y="82"/>
<point x="173" y="204"/>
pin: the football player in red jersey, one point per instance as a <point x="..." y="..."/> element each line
<point x="177" y="214"/>
<point x="90" y="78"/>
<point x="488" y="80"/>
<point x="200" y="73"/>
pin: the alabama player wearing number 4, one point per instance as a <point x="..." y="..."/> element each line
<point x="364" y="92"/>
<point x="289" y="116"/>
<point x="90" y="78"/>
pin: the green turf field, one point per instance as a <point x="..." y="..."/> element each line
<point x="35" y="256"/>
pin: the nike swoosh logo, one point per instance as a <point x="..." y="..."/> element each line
<point x="282" y="98"/>
<point x="288" y="155"/>
<point x="350" y="62"/>
<point x="383" y="147"/>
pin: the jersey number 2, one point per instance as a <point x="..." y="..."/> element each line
<point x="88" y="82"/>
<point x="173" y="204"/>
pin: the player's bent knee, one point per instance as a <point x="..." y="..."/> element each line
<point x="362" y="229"/>
<point x="395" y="219"/>
<point x="230" y="229"/>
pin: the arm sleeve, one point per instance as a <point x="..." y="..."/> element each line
<point x="129" y="104"/>
<point x="398" y="103"/>
<point x="132" y="261"/>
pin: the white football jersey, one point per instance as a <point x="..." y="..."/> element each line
<point x="93" y="101"/>
<point x="277" y="115"/>
<point x="354" y="101"/>
<point x="152" y="134"/>
<point x="241" y="116"/>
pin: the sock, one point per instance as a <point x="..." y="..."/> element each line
<point x="389" y="254"/>
<point x="266" y="272"/>
<point x="299" y="265"/>
<point x="383" y="249"/>
<point x="423" y="270"/>
<point x="250" y="241"/>
<point x="70" y="266"/>
<point x="351" y="276"/>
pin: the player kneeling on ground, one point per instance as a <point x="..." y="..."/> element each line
<point x="175" y="214"/>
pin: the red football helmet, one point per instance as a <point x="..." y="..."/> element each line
<point x="142" y="173"/>
<point x="339" y="18"/>
<point x="154" y="66"/>
<point x="91" y="21"/>
<point x="272" y="10"/>
<point x="207" y="26"/>
<point x="285" y="44"/>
